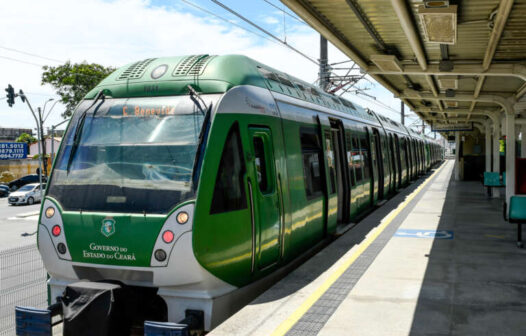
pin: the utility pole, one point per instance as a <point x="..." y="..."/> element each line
<point x="402" y="112"/>
<point x="423" y="127"/>
<point x="22" y="96"/>
<point x="43" y="139"/>
<point x="324" y="66"/>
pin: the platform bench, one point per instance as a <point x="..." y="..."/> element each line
<point x="493" y="180"/>
<point x="517" y="215"/>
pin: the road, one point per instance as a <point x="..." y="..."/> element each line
<point x="22" y="274"/>
<point x="16" y="220"/>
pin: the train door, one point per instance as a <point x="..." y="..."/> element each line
<point x="371" y="148"/>
<point x="398" y="146"/>
<point x="415" y="159"/>
<point x="409" y="152"/>
<point x="379" y="162"/>
<point x="342" y="185"/>
<point x="404" y="160"/>
<point x="422" y="157"/>
<point x="352" y="161"/>
<point x="419" y="156"/>
<point x="392" y="157"/>
<point x="357" y="180"/>
<point x="264" y="196"/>
<point x="386" y="164"/>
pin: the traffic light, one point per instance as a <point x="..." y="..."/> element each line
<point x="10" y="95"/>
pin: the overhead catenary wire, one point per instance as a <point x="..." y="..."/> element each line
<point x="263" y="30"/>
<point x="285" y="12"/>
<point x="20" y="61"/>
<point x="189" y="3"/>
<point x="383" y="106"/>
<point x="31" y="54"/>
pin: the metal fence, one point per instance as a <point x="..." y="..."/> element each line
<point x="22" y="283"/>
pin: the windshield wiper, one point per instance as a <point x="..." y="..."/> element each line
<point x="201" y="148"/>
<point x="193" y="95"/>
<point x="78" y="130"/>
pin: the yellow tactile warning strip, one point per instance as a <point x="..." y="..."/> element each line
<point x="286" y="326"/>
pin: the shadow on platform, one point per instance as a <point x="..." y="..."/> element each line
<point x="474" y="284"/>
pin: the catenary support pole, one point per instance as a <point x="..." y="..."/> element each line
<point x="510" y="156"/>
<point x="324" y="61"/>
<point x="488" y="145"/>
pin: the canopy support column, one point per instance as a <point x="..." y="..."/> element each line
<point x="496" y="152"/>
<point x="510" y="156"/>
<point x="488" y="145"/>
<point x="523" y="141"/>
<point x="457" y="156"/>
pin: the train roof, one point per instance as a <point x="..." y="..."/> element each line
<point x="214" y="74"/>
<point x="208" y="74"/>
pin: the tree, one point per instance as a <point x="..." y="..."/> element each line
<point x="24" y="137"/>
<point x="73" y="81"/>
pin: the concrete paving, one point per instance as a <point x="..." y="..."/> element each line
<point x="473" y="284"/>
<point x="15" y="221"/>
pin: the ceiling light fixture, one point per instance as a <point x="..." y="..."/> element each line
<point x="440" y="24"/>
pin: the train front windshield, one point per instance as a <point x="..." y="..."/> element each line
<point x="128" y="155"/>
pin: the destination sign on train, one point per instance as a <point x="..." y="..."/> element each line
<point x="145" y="111"/>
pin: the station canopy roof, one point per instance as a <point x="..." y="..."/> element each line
<point x="450" y="61"/>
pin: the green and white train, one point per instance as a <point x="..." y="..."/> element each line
<point x="190" y="179"/>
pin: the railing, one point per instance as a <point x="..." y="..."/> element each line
<point x="22" y="283"/>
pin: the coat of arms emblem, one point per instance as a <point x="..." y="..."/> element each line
<point x="108" y="226"/>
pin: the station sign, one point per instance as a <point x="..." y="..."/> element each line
<point x="452" y="127"/>
<point x="13" y="150"/>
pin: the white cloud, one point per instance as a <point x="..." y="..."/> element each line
<point x="116" y="33"/>
<point x="271" y="20"/>
<point x="122" y="31"/>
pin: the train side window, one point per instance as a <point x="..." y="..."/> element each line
<point x="350" y="158"/>
<point x="364" y="146"/>
<point x="261" y="164"/>
<point x="357" y="159"/>
<point x="229" y="192"/>
<point x="311" y="151"/>
<point x="330" y="161"/>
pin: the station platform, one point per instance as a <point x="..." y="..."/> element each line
<point x="436" y="259"/>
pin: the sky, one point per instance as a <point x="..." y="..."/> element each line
<point x="118" y="32"/>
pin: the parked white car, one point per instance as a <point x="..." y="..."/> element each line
<point x="28" y="194"/>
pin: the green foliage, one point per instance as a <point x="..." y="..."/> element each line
<point x="73" y="81"/>
<point x="24" y="137"/>
<point x="37" y="156"/>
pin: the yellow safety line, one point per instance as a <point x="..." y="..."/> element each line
<point x="301" y="310"/>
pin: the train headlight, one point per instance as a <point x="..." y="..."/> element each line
<point x="61" y="247"/>
<point x="50" y="212"/>
<point x="56" y="230"/>
<point x="182" y="217"/>
<point x="175" y="226"/>
<point x="160" y="255"/>
<point x="168" y="236"/>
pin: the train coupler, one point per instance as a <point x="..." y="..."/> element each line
<point x="192" y="324"/>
